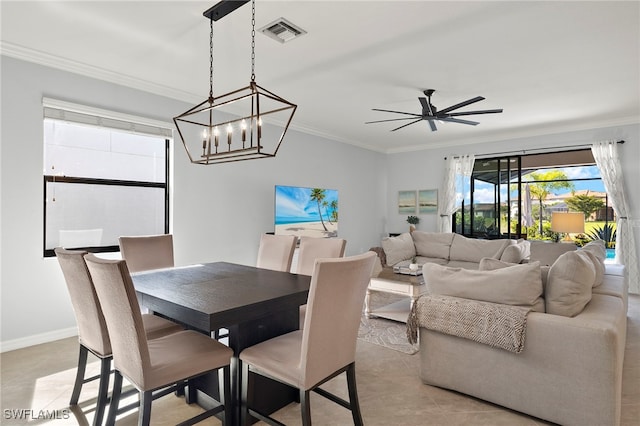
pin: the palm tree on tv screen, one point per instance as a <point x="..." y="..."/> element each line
<point x="318" y="196"/>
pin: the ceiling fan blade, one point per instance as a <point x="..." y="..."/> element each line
<point x="432" y="124"/>
<point x="405" y="125"/>
<point x="397" y="112"/>
<point x="426" y="106"/>
<point x="484" y="111"/>
<point x="390" y="119"/>
<point x="461" y="104"/>
<point x="457" y="120"/>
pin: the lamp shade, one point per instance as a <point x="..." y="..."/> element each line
<point x="567" y="222"/>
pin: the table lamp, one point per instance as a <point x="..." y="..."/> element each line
<point x="567" y="222"/>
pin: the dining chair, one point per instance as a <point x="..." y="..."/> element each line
<point x="324" y="348"/>
<point x="92" y="329"/>
<point x="153" y="365"/>
<point x="147" y="252"/>
<point x="311" y="249"/>
<point x="276" y="252"/>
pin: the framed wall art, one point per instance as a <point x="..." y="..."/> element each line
<point x="407" y="202"/>
<point x="428" y="201"/>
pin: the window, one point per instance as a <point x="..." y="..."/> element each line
<point x="103" y="177"/>
<point x="495" y="205"/>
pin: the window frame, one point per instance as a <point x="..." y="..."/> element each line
<point x="76" y="114"/>
<point x="470" y="210"/>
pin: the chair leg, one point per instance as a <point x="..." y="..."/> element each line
<point x="224" y="385"/>
<point x="82" y="366"/>
<point x="115" y="398"/>
<point x="305" y="407"/>
<point x="244" y="393"/>
<point x="353" y="395"/>
<point x="103" y="390"/>
<point x="144" y="415"/>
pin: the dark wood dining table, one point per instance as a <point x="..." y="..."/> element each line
<point x="253" y="304"/>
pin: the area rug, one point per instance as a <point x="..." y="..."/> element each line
<point x="387" y="333"/>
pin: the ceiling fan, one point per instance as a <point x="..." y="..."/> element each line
<point x="431" y="113"/>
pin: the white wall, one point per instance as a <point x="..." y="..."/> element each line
<point x="218" y="212"/>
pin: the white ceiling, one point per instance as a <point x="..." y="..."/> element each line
<point x="552" y="66"/>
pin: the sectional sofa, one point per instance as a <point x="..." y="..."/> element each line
<point x="447" y="249"/>
<point x="567" y="366"/>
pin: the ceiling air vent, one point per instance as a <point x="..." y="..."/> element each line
<point x="282" y="30"/>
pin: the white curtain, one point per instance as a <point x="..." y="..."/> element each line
<point x="608" y="161"/>
<point x="455" y="167"/>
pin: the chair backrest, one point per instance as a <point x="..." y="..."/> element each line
<point x="92" y="329"/>
<point x="311" y="249"/>
<point x="276" y="252"/>
<point x="147" y="252"/>
<point x="121" y="310"/>
<point x="334" y="308"/>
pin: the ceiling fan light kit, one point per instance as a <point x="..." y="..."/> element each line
<point x="431" y="114"/>
<point x="214" y="132"/>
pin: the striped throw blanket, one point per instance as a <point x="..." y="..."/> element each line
<point x="493" y="324"/>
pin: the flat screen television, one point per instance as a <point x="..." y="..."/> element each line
<point x="310" y="212"/>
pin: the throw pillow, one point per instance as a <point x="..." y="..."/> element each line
<point x="569" y="284"/>
<point x="597" y="247"/>
<point x="432" y="244"/>
<point x="518" y="285"/>
<point x="491" y="264"/>
<point x="515" y="253"/>
<point x="472" y="250"/>
<point x="398" y="248"/>
<point x="597" y="264"/>
<point x="599" y="251"/>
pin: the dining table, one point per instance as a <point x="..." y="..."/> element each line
<point x="253" y="304"/>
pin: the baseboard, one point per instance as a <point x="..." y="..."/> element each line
<point x="38" y="339"/>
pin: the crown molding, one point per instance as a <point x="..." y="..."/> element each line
<point x="53" y="61"/>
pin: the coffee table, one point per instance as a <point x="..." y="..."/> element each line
<point x="388" y="281"/>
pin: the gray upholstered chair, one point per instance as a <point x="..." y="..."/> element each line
<point x="92" y="329"/>
<point x="276" y="252"/>
<point x="325" y="347"/>
<point x="152" y="365"/>
<point x="147" y="252"/>
<point x="311" y="249"/>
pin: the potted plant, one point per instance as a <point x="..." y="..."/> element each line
<point x="413" y="221"/>
<point x="413" y="266"/>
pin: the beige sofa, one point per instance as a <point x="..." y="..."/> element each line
<point x="569" y="369"/>
<point x="447" y="249"/>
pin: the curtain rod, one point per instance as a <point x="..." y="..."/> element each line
<point x="566" y="148"/>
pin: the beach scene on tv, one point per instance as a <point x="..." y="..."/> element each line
<point x="306" y="212"/>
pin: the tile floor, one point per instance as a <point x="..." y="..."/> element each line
<point x="41" y="377"/>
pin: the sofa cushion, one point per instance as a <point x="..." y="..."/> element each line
<point x="547" y="252"/>
<point x="490" y="264"/>
<point x="432" y="244"/>
<point x="598" y="265"/>
<point x="597" y="247"/>
<point x="516" y="253"/>
<point x="398" y="248"/>
<point x="472" y="250"/>
<point x="598" y="253"/>
<point x="518" y="285"/>
<point x="569" y="284"/>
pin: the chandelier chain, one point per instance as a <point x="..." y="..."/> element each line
<point x="211" y="61"/>
<point x="253" y="40"/>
